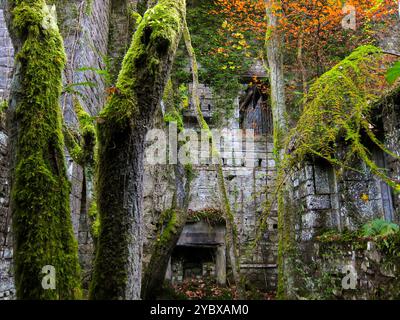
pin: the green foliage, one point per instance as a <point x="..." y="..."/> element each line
<point x="393" y="73"/>
<point x="338" y="112"/>
<point x="40" y="193"/>
<point x="337" y="115"/>
<point x="375" y="230"/>
<point x="209" y="215"/>
<point x="94" y="217"/>
<point x="221" y="58"/>
<point x="379" y="227"/>
<point x="71" y="88"/>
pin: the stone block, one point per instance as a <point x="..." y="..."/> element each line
<point x="318" y="202"/>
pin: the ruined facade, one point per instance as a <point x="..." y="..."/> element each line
<point x="96" y="37"/>
<point x="247" y="173"/>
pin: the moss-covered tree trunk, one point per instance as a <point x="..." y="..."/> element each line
<point x="173" y="220"/>
<point x="81" y="144"/>
<point x="121" y="132"/>
<point x="171" y="225"/>
<point x="231" y="239"/>
<point x="274" y="52"/>
<point x="40" y="189"/>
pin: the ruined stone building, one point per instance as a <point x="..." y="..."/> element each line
<point x="96" y="37"/>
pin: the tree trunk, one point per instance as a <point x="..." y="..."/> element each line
<point x="300" y="60"/>
<point x="274" y="44"/>
<point x="42" y="226"/>
<point x="171" y="225"/>
<point x="173" y="220"/>
<point x="231" y="241"/>
<point x="122" y="126"/>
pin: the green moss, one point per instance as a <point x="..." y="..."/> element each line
<point x="169" y="219"/>
<point x="81" y="143"/>
<point x="162" y="24"/>
<point x="3" y="106"/>
<point x="338" y="107"/>
<point x="40" y="192"/>
<point x="121" y="125"/>
<point x="94" y="217"/>
<point x="88" y="7"/>
<point x="211" y="216"/>
<point x="337" y="112"/>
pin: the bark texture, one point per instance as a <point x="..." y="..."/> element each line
<point x="274" y="48"/>
<point x="173" y="220"/>
<point x="40" y="190"/>
<point x="122" y="126"/>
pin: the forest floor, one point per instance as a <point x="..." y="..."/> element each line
<point x="207" y="289"/>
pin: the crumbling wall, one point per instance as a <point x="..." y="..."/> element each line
<point x="321" y="198"/>
<point x="347" y="269"/>
<point x="246" y="180"/>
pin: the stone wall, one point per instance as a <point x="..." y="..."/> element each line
<point x="321" y="199"/>
<point x="348" y="270"/>
<point x="246" y="178"/>
<point x="6" y="58"/>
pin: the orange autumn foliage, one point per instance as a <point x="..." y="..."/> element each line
<point x="316" y="23"/>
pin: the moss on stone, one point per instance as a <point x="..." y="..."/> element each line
<point x="211" y="216"/>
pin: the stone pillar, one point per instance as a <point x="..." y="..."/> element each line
<point x="220" y="265"/>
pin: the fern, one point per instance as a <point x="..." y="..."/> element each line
<point x="379" y="227"/>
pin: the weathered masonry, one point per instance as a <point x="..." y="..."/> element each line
<point x="96" y="35"/>
<point x="200" y="251"/>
